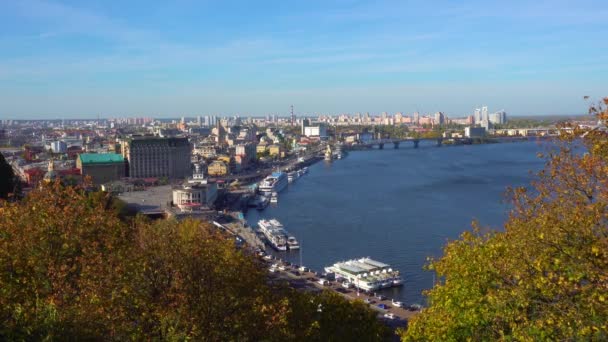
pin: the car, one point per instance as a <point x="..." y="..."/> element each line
<point x="268" y="257"/>
<point x="323" y="281"/>
<point x="381" y="297"/>
<point x="389" y="315"/>
<point x="397" y="304"/>
<point x="368" y="301"/>
<point x="272" y="269"/>
<point x="303" y="269"/>
<point x="281" y="268"/>
<point x="383" y="306"/>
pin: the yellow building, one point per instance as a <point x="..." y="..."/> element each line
<point x="261" y="148"/>
<point x="218" y="168"/>
<point x="276" y="150"/>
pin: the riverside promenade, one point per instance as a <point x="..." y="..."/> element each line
<point x="309" y="281"/>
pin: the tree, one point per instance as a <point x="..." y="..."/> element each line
<point x="9" y="184"/>
<point x="545" y="277"/>
<point x="72" y="269"/>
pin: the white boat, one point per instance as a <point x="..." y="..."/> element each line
<point x="274" y="198"/>
<point x="277" y="236"/>
<point x="262" y="202"/>
<point x="276" y="182"/>
<point x="291" y="176"/>
<point x="292" y="243"/>
<point x="366" y="274"/>
<point x="305" y="169"/>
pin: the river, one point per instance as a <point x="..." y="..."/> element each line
<point x="399" y="206"/>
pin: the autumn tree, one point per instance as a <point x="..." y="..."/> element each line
<point x="545" y="276"/>
<point x="73" y="266"/>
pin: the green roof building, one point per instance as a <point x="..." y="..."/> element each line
<point x="102" y="167"/>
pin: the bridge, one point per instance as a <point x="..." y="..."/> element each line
<point x="415" y="141"/>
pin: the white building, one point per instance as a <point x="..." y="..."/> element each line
<point x="59" y="146"/>
<point x="316" y="131"/>
<point x="195" y="196"/>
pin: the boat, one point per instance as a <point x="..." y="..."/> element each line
<point x="277" y="236"/>
<point x="328" y="153"/>
<point x="262" y="202"/>
<point x="366" y="274"/>
<point x="292" y="243"/>
<point x="274" y="198"/>
<point x="291" y="176"/>
<point x="273" y="183"/>
<point x="305" y="169"/>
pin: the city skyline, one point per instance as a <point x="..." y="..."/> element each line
<point x="68" y="59"/>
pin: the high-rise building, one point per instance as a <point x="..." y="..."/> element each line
<point x="477" y="115"/>
<point x="484" y="114"/>
<point x="305" y="123"/>
<point x="439" y="118"/>
<point x="499" y="117"/>
<point x="157" y="157"/>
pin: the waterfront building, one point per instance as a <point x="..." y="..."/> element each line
<point x="101" y="167"/>
<point x="194" y="196"/>
<point x="218" y="168"/>
<point x="474" y="132"/>
<point x="157" y="157"/>
<point x="366" y="274"/>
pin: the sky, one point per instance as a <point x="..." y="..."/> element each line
<point x="81" y="59"/>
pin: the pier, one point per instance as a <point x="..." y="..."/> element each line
<point x="308" y="281"/>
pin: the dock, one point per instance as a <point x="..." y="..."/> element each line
<point x="308" y="281"/>
<point x="247" y="234"/>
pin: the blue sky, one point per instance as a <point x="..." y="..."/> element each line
<point x="181" y="57"/>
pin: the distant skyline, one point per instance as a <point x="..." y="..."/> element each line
<point x="80" y="59"/>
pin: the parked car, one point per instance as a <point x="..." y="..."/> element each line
<point x="383" y="306"/>
<point x="389" y="315"/>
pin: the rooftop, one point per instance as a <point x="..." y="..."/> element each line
<point x="100" y="158"/>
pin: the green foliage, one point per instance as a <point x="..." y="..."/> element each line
<point x="72" y="269"/>
<point x="545" y="277"/>
<point x="9" y="184"/>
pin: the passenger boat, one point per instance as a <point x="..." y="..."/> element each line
<point x="366" y="274"/>
<point x="277" y="236"/>
<point x="276" y="182"/>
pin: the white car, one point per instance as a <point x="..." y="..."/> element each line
<point x="397" y="304"/>
<point x="389" y="315"/>
<point x="303" y="269"/>
<point x="323" y="281"/>
<point x="272" y="270"/>
<point x="281" y="268"/>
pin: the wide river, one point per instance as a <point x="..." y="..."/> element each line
<point x="399" y="206"/>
